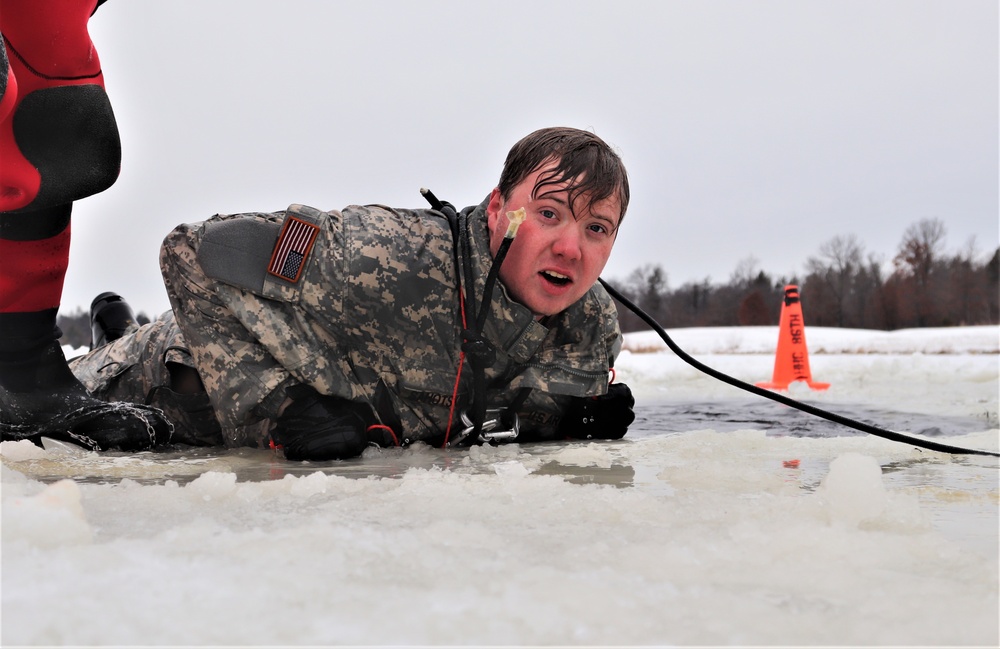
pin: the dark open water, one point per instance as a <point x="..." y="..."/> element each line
<point x="778" y="419"/>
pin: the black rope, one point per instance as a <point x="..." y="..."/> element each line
<point x="480" y="352"/>
<point x="780" y="398"/>
<point x="491" y="280"/>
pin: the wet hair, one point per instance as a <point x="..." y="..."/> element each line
<point x="581" y="158"/>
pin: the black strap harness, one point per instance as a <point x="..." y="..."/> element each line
<point x="481" y="424"/>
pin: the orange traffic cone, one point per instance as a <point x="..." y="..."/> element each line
<point x="791" y="362"/>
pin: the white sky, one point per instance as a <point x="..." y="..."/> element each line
<point x="749" y="128"/>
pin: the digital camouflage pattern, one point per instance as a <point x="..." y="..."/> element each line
<point x="375" y="316"/>
<point x="135" y="368"/>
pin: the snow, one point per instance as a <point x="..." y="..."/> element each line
<point x="702" y="528"/>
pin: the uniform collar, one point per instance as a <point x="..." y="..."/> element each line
<point x="568" y="356"/>
<point x="511" y="327"/>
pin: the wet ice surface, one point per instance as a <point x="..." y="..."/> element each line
<point x="778" y="419"/>
<point x="698" y="528"/>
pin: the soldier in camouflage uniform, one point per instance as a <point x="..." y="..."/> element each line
<point x="325" y="331"/>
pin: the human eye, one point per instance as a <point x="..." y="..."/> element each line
<point x="598" y="228"/>
<point x="546" y="213"/>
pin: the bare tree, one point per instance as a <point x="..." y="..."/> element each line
<point x="648" y="287"/>
<point x="753" y="310"/>
<point x="920" y="248"/>
<point x="919" y="251"/>
<point x="688" y="304"/>
<point x="967" y="298"/>
<point x="991" y="272"/>
<point x="876" y="310"/>
<point x="835" y="269"/>
<point x="746" y="272"/>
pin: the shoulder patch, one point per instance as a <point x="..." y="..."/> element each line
<point x="292" y="249"/>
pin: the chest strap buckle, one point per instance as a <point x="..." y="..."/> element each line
<point x="499" y="424"/>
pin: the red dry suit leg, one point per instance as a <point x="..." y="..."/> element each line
<point x="58" y="143"/>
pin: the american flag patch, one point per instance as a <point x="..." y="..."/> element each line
<point x="296" y="239"/>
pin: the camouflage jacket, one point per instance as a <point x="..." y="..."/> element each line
<point x="364" y="305"/>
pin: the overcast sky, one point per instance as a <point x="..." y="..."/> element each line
<point x="749" y="128"/>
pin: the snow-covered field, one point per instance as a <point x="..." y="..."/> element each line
<point x="708" y="524"/>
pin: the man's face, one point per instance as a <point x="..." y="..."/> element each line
<point x="556" y="256"/>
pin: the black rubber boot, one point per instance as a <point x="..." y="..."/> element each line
<point x="40" y="397"/>
<point x="110" y="318"/>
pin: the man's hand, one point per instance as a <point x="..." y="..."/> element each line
<point x="319" y="427"/>
<point x="605" y="417"/>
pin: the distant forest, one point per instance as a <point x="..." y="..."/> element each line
<point x="844" y="286"/>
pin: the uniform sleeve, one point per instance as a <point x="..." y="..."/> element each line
<point x="595" y="324"/>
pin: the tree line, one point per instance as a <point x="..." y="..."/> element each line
<point x="843" y="286"/>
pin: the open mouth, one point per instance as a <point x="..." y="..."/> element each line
<point x="556" y="278"/>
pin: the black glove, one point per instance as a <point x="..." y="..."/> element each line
<point x="319" y="427"/>
<point x="605" y="417"/>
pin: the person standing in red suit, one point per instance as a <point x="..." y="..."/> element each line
<point x="59" y="143"/>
